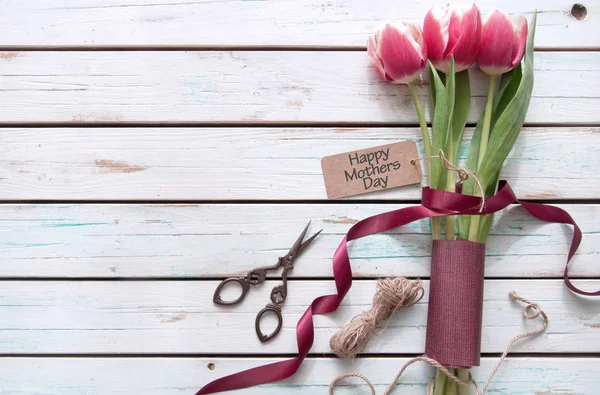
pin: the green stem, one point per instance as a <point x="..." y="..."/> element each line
<point x="449" y="235"/>
<point x="436" y="228"/>
<point x="422" y="121"/>
<point x="440" y="383"/>
<point x="487" y="120"/>
<point x="436" y="224"/>
<point x="463" y="375"/>
<point x="451" y="387"/>
<point x="485" y="136"/>
<point x="450" y="187"/>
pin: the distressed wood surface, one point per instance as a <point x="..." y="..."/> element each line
<point x="179" y="317"/>
<point x="334" y="23"/>
<point x="255" y="163"/>
<point x="174" y="376"/>
<point x="249" y="115"/>
<point x="256" y="87"/>
<point x="207" y="240"/>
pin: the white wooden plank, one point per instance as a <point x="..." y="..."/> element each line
<point x="255" y="86"/>
<point x="174" y="376"/>
<point x="137" y="23"/>
<point x="204" y="240"/>
<point x="180" y="317"/>
<point x="255" y="163"/>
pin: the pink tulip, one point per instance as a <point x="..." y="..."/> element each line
<point x="398" y="52"/>
<point x="502" y="43"/>
<point x="454" y="31"/>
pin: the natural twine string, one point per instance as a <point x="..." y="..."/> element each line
<point x="462" y="173"/>
<point x="392" y="294"/>
<point x="531" y="311"/>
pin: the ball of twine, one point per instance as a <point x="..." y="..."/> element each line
<point x="392" y="294"/>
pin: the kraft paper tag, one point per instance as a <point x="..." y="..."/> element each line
<point x="372" y="169"/>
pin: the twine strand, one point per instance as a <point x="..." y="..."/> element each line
<point x="392" y="294"/>
<point x="348" y="375"/>
<point x="462" y="173"/>
<point x="531" y="311"/>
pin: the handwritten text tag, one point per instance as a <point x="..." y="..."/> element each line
<point x="371" y="169"/>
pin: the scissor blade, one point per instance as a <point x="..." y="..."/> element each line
<point x="296" y="247"/>
<point x="308" y="241"/>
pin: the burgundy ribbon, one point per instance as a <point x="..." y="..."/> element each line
<point x="435" y="203"/>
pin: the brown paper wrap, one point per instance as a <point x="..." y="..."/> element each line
<point x="455" y="303"/>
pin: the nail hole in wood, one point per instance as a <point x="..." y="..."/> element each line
<point x="211" y="366"/>
<point x="579" y="12"/>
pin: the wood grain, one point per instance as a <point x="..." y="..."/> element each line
<point x="179" y="317"/>
<point x="247" y="87"/>
<point x="234" y="73"/>
<point x="174" y="376"/>
<point x="334" y="23"/>
<point x="206" y="240"/>
<point x="255" y="163"/>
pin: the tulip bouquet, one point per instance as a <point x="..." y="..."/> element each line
<point x="451" y="42"/>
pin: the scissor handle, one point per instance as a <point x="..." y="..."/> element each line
<point x="259" y="275"/>
<point x="240" y="280"/>
<point x="269" y="308"/>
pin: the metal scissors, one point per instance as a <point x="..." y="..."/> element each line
<point x="258" y="276"/>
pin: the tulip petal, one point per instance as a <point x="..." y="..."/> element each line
<point x="453" y="32"/>
<point x="455" y="27"/>
<point x="496" y="44"/>
<point x="464" y="48"/>
<point x="417" y="36"/>
<point x="376" y="60"/>
<point x="401" y="54"/>
<point x="435" y="33"/>
<point x="519" y="23"/>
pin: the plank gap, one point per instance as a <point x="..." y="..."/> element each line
<point x="270" y="356"/>
<point x="262" y="124"/>
<point x="239" y="48"/>
<point x="274" y="277"/>
<point x="265" y="202"/>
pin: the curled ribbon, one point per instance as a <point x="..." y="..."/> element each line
<point x="434" y="203"/>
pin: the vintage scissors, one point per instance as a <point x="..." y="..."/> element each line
<point x="258" y="276"/>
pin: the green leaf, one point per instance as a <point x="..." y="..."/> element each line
<point x="468" y="187"/>
<point x="509" y="85"/>
<point x="484" y="227"/>
<point x="447" y="181"/>
<point x="462" y="107"/>
<point x="505" y="80"/>
<point x="473" y="152"/>
<point x="506" y="105"/>
<point x="431" y="91"/>
<point x="450" y="83"/>
<point x="510" y="121"/>
<point x="486" y="224"/>
<point x="440" y="126"/>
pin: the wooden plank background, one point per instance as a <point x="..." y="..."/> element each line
<point x="249" y="87"/>
<point x="174" y="376"/>
<point x="255" y="163"/>
<point x="234" y="23"/>
<point x="217" y="240"/>
<point x="179" y="317"/>
<point x="149" y="149"/>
